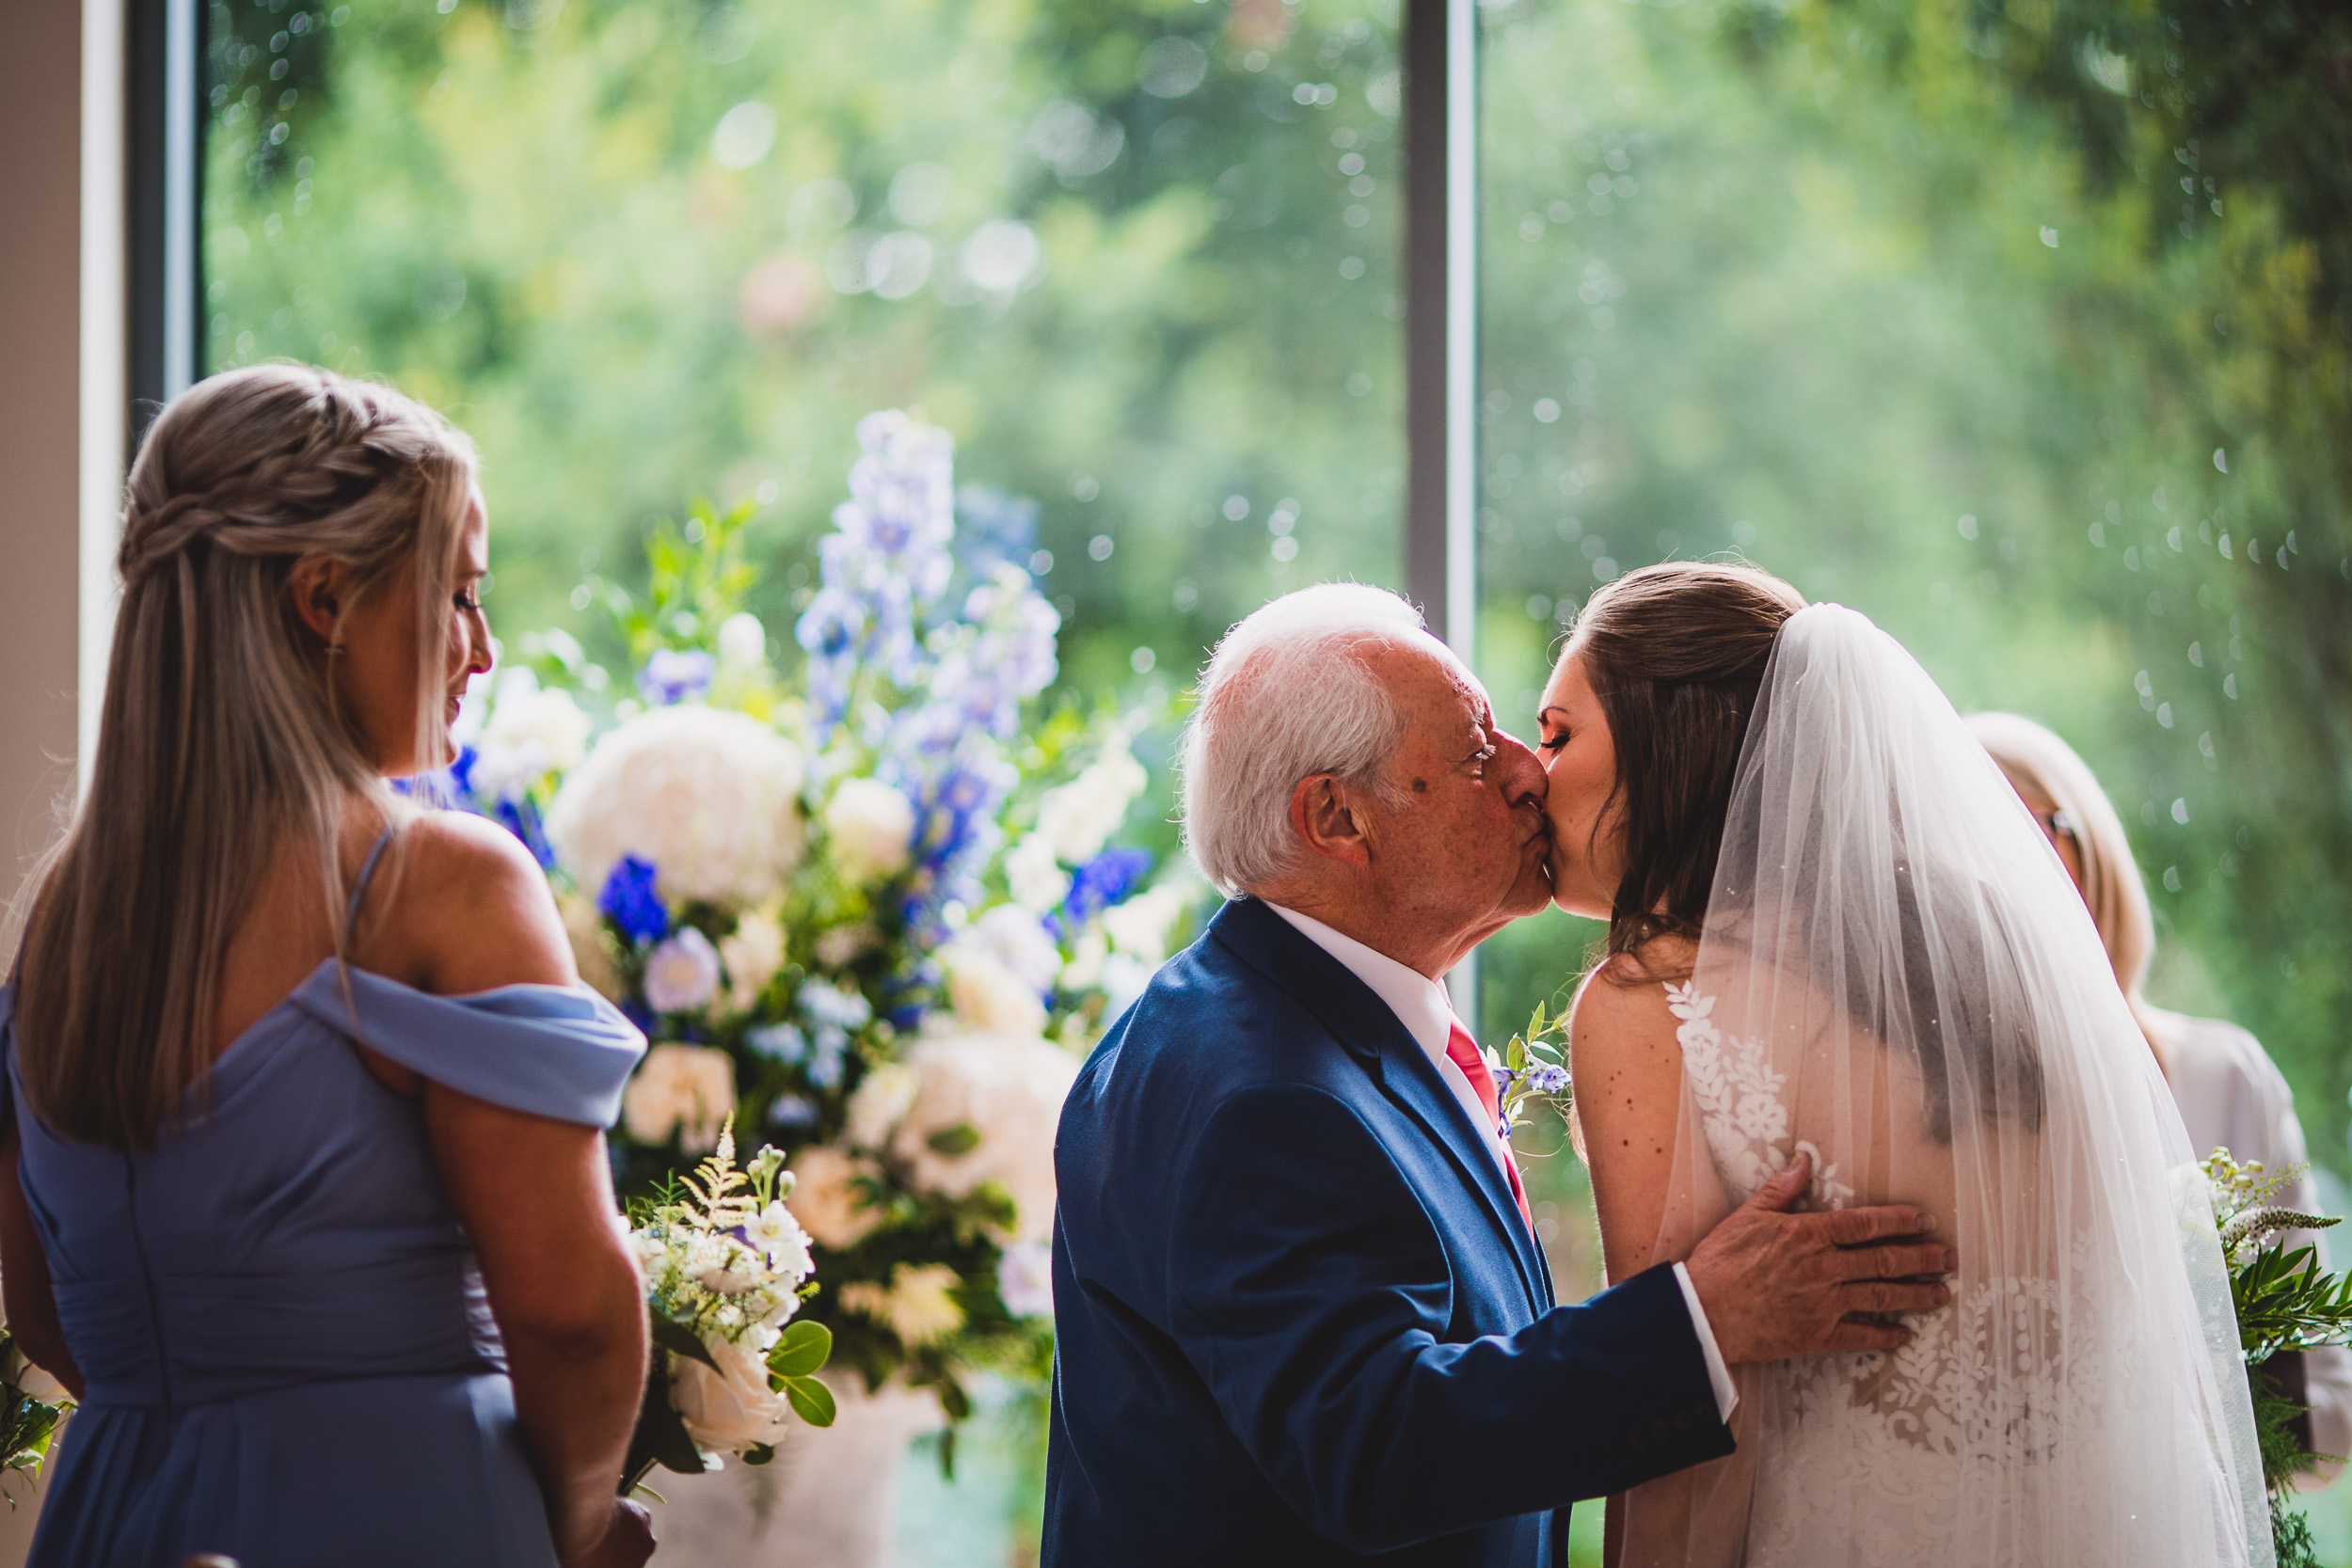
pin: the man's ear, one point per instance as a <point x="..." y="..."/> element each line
<point x="1323" y="817"/>
<point x="317" y="586"/>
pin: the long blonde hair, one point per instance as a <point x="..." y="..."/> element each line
<point x="220" y="742"/>
<point x="2043" y="765"/>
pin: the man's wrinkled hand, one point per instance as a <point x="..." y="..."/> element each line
<point x="1776" y="1284"/>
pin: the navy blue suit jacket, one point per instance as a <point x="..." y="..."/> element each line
<point x="1299" y="1319"/>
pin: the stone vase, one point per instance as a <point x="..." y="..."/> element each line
<point x="826" y="1501"/>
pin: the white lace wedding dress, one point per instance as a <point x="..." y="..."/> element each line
<point x="1896" y="979"/>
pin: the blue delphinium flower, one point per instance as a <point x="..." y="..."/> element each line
<point x="672" y="676"/>
<point x="521" y="818"/>
<point x="1546" y="1080"/>
<point x="1106" y="880"/>
<point x="993" y="527"/>
<point x="885" y="563"/>
<point x="630" y="899"/>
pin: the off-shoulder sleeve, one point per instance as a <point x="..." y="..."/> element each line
<point x="559" y="1051"/>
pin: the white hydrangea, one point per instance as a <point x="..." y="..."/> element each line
<point x="711" y="798"/>
<point x="686" y="1089"/>
<point x="869" y="829"/>
<point x="1008" y="1089"/>
<point x="1080" y="817"/>
<point x="825" y="1197"/>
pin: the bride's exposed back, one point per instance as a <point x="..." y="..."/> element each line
<point x="1834" y="930"/>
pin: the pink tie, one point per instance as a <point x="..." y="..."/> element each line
<point x="1465" y="1054"/>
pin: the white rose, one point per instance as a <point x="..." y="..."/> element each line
<point x="682" y="974"/>
<point x="826" y="1200"/>
<point x="870" y="826"/>
<point x="1009" y="1091"/>
<point x="752" y="954"/>
<point x="733" y="1408"/>
<point x="711" y="798"/>
<point x="1038" y="880"/>
<point x="686" y="1089"/>
<point x="881" y="1102"/>
<point x="1081" y="815"/>
<point x="584" y="922"/>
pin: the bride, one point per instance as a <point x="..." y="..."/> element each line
<point x="1833" y="932"/>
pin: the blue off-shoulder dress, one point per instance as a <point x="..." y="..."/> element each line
<point x="289" y="1354"/>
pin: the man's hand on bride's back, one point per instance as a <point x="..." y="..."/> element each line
<point x="1776" y="1284"/>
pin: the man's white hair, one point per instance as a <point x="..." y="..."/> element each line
<point x="1288" y="694"/>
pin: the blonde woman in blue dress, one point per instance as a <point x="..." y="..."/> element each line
<point x="304" y="1192"/>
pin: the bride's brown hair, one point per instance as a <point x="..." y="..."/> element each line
<point x="1676" y="653"/>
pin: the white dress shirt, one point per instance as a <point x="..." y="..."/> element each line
<point x="1420" y="1003"/>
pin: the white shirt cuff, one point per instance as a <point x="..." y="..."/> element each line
<point x="1718" y="1375"/>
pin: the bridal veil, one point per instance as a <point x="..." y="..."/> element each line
<point x="1897" y="978"/>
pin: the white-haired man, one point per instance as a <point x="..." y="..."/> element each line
<point x="1302" y="1315"/>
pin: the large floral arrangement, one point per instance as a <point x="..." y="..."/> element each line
<point x="872" y="911"/>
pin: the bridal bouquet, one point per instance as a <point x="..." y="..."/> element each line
<point x="862" y="896"/>
<point x="2285" y="1302"/>
<point x="31" y="1405"/>
<point x="726" y="1265"/>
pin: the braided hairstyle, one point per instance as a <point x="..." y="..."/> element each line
<point x="220" y="742"/>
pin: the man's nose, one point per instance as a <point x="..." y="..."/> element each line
<point x="1524" y="781"/>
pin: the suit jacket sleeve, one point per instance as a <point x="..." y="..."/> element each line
<point x="1309" y="1288"/>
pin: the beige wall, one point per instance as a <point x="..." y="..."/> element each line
<point x="40" y="270"/>
<point x="41" y="427"/>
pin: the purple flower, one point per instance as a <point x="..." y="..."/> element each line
<point x="1106" y="880"/>
<point x="628" y="898"/>
<point x="1546" y="1080"/>
<point x="673" y="676"/>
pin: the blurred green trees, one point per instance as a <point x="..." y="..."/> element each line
<point x="2019" y="324"/>
<point x="2021" y="329"/>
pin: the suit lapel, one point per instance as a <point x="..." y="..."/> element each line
<point x="1363" y="1023"/>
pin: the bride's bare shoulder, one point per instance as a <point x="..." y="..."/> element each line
<point x="1620" y="1009"/>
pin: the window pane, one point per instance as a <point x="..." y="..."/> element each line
<point x="1946" y="320"/>
<point x="1140" y="258"/>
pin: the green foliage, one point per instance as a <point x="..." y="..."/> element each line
<point x="27" y="1425"/>
<point x="2284" y="1304"/>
